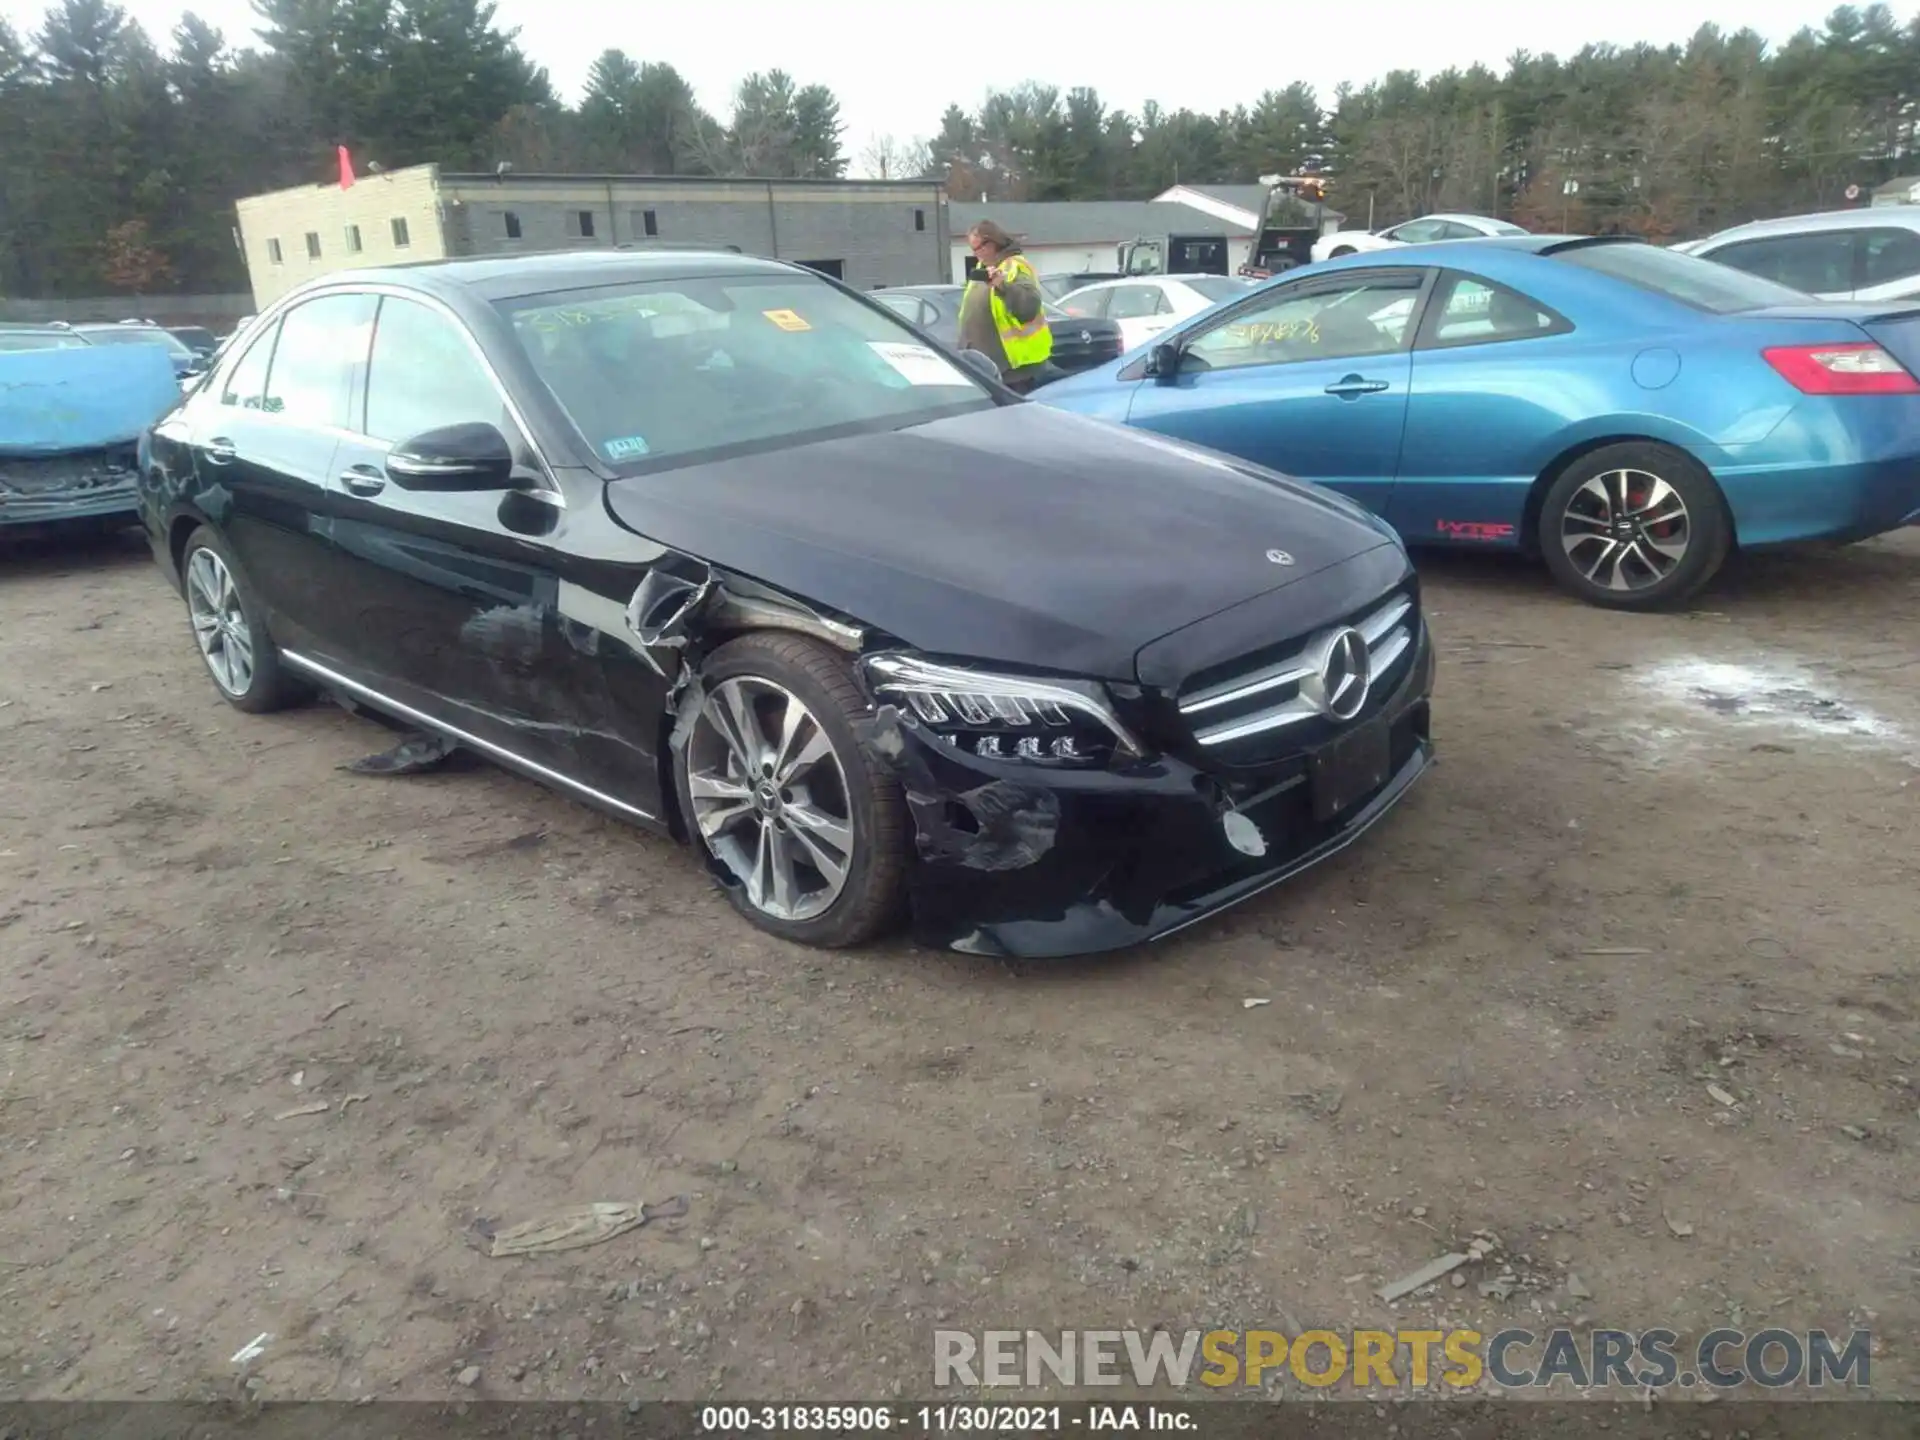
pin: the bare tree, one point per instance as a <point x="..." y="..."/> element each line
<point x="888" y="158"/>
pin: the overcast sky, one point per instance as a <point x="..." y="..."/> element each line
<point x="895" y="67"/>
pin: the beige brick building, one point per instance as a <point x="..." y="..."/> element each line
<point x="866" y="232"/>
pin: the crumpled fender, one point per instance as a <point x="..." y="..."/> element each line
<point x="998" y="825"/>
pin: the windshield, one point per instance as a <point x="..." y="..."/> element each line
<point x="689" y="368"/>
<point x="39" y="340"/>
<point x="1686" y="278"/>
<point x="1218" y="287"/>
<point x="137" y="335"/>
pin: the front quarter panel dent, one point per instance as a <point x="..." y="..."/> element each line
<point x="996" y="826"/>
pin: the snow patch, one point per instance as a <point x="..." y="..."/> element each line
<point x="1780" y="695"/>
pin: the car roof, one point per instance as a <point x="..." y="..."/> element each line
<point x="1153" y="279"/>
<point x="505" y="277"/>
<point x="1457" y="250"/>
<point x="1877" y="217"/>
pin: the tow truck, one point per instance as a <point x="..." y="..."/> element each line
<point x="1291" y="219"/>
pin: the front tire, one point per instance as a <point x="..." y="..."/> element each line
<point x="807" y="835"/>
<point x="1634" y="526"/>
<point x="233" y="640"/>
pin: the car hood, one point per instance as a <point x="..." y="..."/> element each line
<point x="1020" y="536"/>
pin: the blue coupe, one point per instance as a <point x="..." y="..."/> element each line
<point x="1627" y="413"/>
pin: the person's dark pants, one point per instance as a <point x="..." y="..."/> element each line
<point x="1032" y="377"/>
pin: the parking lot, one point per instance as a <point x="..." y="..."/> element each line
<point x="1660" y="854"/>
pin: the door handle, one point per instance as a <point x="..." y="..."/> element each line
<point x="220" y="450"/>
<point x="1354" y="385"/>
<point x="363" y="480"/>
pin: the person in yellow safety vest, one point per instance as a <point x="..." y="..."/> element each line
<point x="1003" y="313"/>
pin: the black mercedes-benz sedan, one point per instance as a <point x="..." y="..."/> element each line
<point x="729" y="550"/>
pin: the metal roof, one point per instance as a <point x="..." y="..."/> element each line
<point x="595" y="177"/>
<point x="1089" y="222"/>
<point x="1246" y="197"/>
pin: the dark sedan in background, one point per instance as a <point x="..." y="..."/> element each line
<point x="718" y="545"/>
<point x="1077" y="344"/>
<point x="197" y="338"/>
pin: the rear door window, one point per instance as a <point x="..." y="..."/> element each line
<point x="1088" y="304"/>
<point x="323" y="345"/>
<point x="1816" y="263"/>
<point x="246" y="382"/>
<point x="1470" y="311"/>
<point x="909" y="308"/>
<point x="1702" y="284"/>
<point x="1889" y="256"/>
<point x="1137" y="302"/>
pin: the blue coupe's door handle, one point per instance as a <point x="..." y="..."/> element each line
<point x="1351" y="385"/>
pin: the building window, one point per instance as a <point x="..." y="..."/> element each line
<point x="919" y="219"/>
<point x="582" y="226"/>
<point x="650" y="222"/>
<point x="400" y="237"/>
<point x="353" y="240"/>
<point x="313" y="245"/>
<point x="273" y="251"/>
<point x="512" y="222"/>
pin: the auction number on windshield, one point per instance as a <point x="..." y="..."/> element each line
<point x="746" y="1419"/>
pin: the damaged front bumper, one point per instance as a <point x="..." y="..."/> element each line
<point x="1022" y="862"/>
<point x="60" y="489"/>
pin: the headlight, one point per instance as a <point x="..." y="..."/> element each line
<point x="1006" y="717"/>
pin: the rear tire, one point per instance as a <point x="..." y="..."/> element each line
<point x="1634" y="526"/>
<point x="240" y="655"/>
<point x="808" y="836"/>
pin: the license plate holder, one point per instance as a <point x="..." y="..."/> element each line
<point x="1348" y="769"/>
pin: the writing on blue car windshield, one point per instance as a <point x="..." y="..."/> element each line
<point x="672" y="371"/>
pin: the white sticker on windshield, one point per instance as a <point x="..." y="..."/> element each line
<point x="916" y="364"/>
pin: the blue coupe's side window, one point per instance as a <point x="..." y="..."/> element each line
<point x="1466" y="311"/>
<point x="1370" y="314"/>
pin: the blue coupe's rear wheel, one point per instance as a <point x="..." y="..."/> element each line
<point x="1634" y="526"/>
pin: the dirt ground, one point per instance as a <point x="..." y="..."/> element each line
<point x="1658" y="853"/>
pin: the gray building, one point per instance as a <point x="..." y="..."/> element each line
<point x="865" y="232"/>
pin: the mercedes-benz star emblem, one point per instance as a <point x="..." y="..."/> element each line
<point x="1086" y="337"/>
<point x="1344" y="675"/>
<point x="1279" y="557"/>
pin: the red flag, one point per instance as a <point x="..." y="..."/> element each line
<point x="346" y="169"/>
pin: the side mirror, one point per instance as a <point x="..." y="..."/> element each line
<point x="1163" y="361"/>
<point x="455" y="457"/>
<point x="983" y="363"/>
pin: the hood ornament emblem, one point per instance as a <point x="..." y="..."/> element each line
<point x="1279" y="557"/>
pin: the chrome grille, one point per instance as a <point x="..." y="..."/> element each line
<point x="1277" y="696"/>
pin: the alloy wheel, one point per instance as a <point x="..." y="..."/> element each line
<point x="1626" y="529"/>
<point x="219" y="624"/>
<point x="770" y="797"/>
